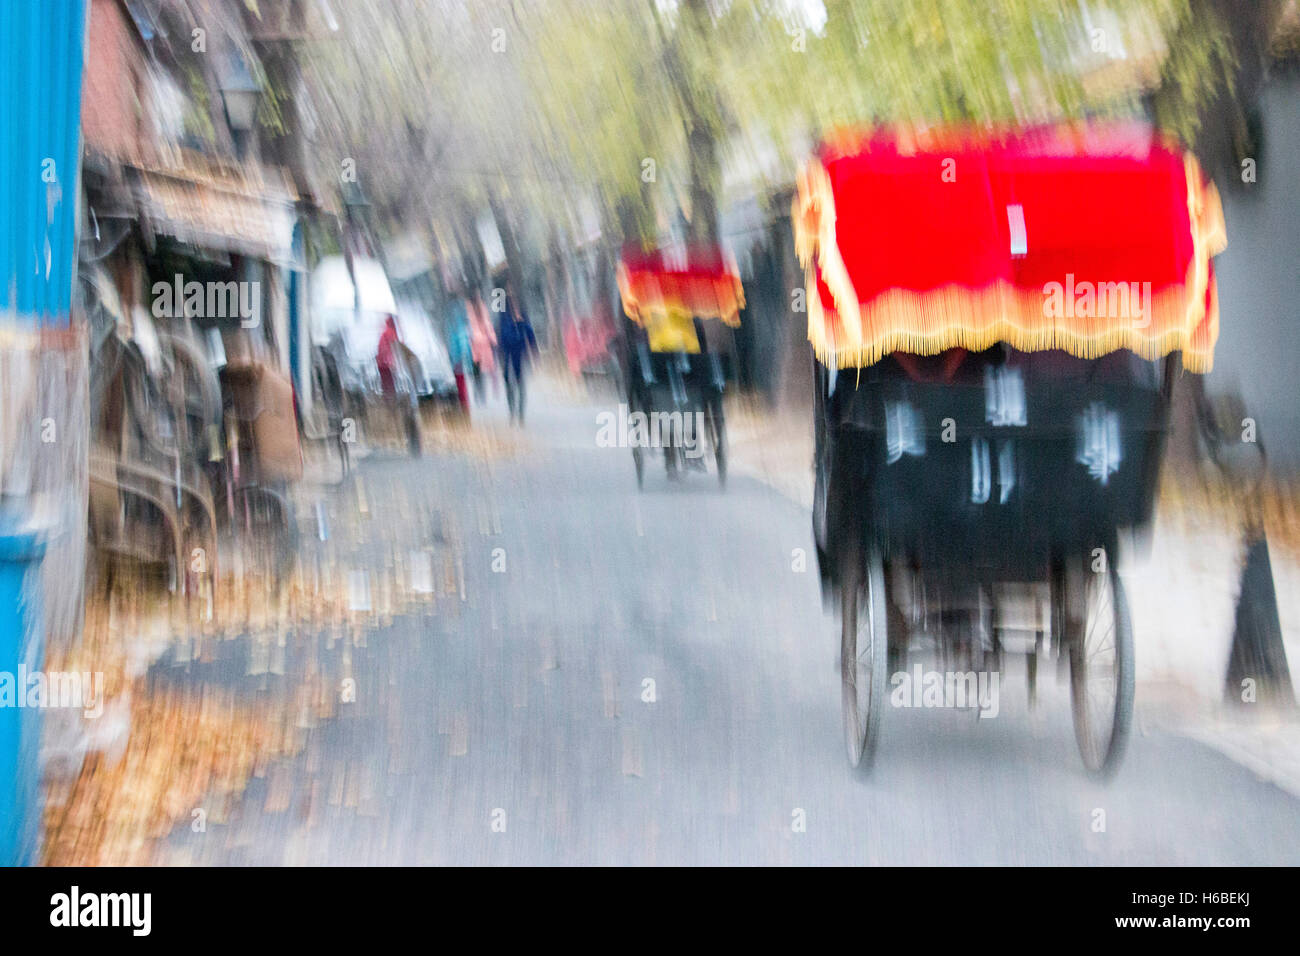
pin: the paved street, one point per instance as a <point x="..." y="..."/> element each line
<point x="513" y="719"/>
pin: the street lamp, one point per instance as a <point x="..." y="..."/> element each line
<point x="241" y="107"/>
<point x="239" y="92"/>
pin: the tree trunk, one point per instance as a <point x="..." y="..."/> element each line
<point x="555" y="279"/>
<point x="627" y="221"/>
<point x="795" y="388"/>
<point x="515" y="265"/>
<point x="473" y="261"/>
<point x="1223" y="134"/>
<point x="706" y="178"/>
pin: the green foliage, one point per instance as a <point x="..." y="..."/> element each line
<point x="443" y="103"/>
<point x="271" y="105"/>
<point x="198" y="108"/>
<point x="1199" y="67"/>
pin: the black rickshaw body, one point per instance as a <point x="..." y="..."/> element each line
<point x="673" y="381"/>
<point x="990" y="466"/>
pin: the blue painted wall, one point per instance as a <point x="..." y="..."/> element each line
<point x="41" y="56"/>
<point x="41" y="52"/>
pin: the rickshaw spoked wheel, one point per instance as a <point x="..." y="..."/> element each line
<point x="718" y="438"/>
<point x="864" y="649"/>
<point x="638" y="453"/>
<point x="672" y="464"/>
<point x="1099" y="642"/>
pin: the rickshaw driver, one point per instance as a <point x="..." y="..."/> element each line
<point x="666" y="351"/>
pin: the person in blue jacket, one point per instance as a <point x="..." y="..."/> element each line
<point x="515" y="340"/>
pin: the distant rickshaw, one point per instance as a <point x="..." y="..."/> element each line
<point x="997" y="320"/>
<point x="675" y="377"/>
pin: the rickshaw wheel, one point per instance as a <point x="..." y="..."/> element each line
<point x="638" y="453"/>
<point x="670" y="449"/>
<point x="718" y="436"/>
<point x="411" y="422"/>
<point x="1101" y="672"/>
<point x="864" y="649"/>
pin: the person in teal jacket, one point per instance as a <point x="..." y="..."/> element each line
<point x="459" y="350"/>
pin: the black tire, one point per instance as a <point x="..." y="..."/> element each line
<point x="863" y="677"/>
<point x="329" y="393"/>
<point x="718" y="437"/>
<point x="821" y="459"/>
<point x="838" y="509"/>
<point x="821" y="511"/>
<point x="411" y="416"/>
<point x="638" y="453"/>
<point x="1100" y="640"/>
<point x="1031" y="671"/>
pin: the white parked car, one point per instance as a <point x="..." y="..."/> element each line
<point x="434" y="378"/>
<point x="351" y="330"/>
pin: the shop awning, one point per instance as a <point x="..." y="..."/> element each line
<point x="220" y="212"/>
<point x="1087" y="239"/>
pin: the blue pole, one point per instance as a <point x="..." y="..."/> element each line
<point x="41" y="56"/>
<point x="21" y="653"/>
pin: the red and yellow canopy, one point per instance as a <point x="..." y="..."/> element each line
<point x="707" y="286"/>
<point x="1087" y="239"/>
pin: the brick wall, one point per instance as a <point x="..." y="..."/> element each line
<point x="112" y="111"/>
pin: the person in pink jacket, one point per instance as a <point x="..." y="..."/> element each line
<point x="482" y="343"/>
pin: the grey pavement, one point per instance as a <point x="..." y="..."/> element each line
<point x="515" y="722"/>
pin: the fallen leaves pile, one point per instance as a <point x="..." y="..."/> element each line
<point x="1281" y="514"/>
<point x="1190" y="500"/>
<point x="124" y="779"/>
<point x="117" y="784"/>
<point x="185" y="754"/>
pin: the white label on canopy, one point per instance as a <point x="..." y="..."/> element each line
<point x="1016" y="222"/>
<point x="421" y="572"/>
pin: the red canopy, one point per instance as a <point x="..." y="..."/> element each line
<point x="1087" y="239"/>
<point x="704" y="285"/>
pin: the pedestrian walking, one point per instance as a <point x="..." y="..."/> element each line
<point x="459" y="349"/>
<point x="385" y="360"/>
<point x="483" y="344"/>
<point x="515" y="339"/>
